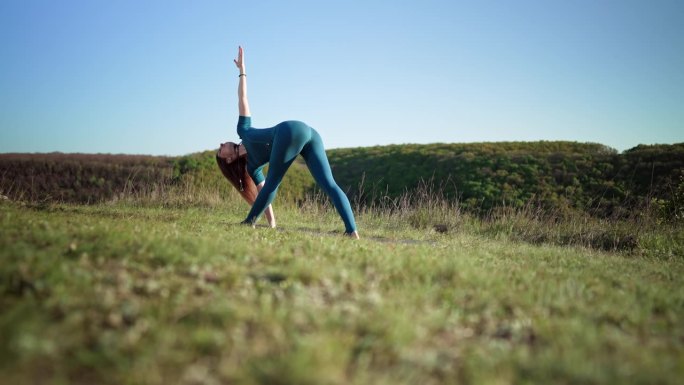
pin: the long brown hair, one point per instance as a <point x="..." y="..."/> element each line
<point x="236" y="173"/>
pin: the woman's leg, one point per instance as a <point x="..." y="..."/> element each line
<point x="288" y="141"/>
<point x="317" y="161"/>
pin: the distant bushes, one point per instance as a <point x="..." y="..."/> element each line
<point x="80" y="178"/>
<point x="554" y="175"/>
<point x="93" y="178"/>
<point x="478" y="177"/>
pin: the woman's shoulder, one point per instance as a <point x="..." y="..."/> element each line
<point x="244" y="124"/>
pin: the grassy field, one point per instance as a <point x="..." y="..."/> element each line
<point x="131" y="293"/>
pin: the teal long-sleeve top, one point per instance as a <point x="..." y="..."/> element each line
<point x="258" y="142"/>
<point x="291" y="138"/>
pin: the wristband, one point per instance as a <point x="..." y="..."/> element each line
<point x="242" y="75"/>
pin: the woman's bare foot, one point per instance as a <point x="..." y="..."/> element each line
<point x="353" y="235"/>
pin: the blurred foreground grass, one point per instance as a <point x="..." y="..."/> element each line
<point x="119" y="294"/>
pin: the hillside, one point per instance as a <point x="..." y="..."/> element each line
<point x="551" y="175"/>
<point x="81" y="178"/>
<point x="589" y="177"/>
<point x="160" y="284"/>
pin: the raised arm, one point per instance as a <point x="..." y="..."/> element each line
<point x="243" y="104"/>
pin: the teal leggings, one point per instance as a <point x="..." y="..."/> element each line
<point x="291" y="139"/>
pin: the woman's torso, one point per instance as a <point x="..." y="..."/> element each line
<point x="259" y="142"/>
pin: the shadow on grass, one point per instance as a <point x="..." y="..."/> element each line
<point x="336" y="233"/>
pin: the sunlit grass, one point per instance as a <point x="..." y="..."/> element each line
<point x="155" y="293"/>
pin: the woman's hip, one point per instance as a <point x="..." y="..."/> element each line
<point x="293" y="131"/>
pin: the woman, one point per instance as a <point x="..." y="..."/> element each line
<point x="278" y="146"/>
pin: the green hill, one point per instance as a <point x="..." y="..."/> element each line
<point x="480" y="176"/>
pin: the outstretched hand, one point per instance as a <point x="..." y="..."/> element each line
<point x="240" y="61"/>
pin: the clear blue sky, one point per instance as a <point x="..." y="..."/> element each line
<point x="156" y="77"/>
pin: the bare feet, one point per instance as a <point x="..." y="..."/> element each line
<point x="353" y="235"/>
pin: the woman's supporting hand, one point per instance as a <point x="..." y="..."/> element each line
<point x="270" y="214"/>
<point x="240" y="61"/>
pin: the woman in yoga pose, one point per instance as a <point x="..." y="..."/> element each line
<point x="278" y="146"/>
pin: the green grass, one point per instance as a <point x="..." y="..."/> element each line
<point x="147" y="294"/>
